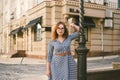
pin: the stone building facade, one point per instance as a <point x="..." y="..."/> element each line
<point x="26" y="26"/>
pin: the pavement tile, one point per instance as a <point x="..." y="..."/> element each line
<point x="43" y="77"/>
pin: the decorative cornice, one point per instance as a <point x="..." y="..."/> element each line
<point x="62" y="3"/>
<point x="117" y="11"/>
<point x="71" y="3"/>
<point x="94" y="6"/>
<point x="56" y="3"/>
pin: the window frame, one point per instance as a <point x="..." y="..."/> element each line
<point x="38" y="32"/>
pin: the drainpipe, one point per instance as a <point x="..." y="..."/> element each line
<point x="102" y="37"/>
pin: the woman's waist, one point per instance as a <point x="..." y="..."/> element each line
<point x="63" y="53"/>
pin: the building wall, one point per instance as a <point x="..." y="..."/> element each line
<point x="1" y="23"/>
<point x="116" y="36"/>
<point x="100" y="39"/>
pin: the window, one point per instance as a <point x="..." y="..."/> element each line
<point x="14" y="39"/>
<point x="118" y="4"/>
<point x="37" y="32"/>
<point x="39" y="1"/>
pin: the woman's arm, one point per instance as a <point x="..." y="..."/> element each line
<point x="76" y="33"/>
<point x="49" y="58"/>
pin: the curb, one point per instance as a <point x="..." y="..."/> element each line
<point x="102" y="57"/>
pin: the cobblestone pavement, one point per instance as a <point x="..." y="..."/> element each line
<point x="34" y="69"/>
<point x="30" y="69"/>
<point x="101" y="63"/>
<point x="18" y="72"/>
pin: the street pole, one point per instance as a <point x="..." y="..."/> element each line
<point x="81" y="50"/>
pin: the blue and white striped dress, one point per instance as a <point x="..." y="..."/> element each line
<point x="62" y="67"/>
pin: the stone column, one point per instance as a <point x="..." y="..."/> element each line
<point x="23" y="42"/>
<point x="26" y="39"/>
<point x="11" y="42"/>
<point x="29" y="39"/>
<point x="16" y="42"/>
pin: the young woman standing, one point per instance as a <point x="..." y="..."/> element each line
<point x="60" y="63"/>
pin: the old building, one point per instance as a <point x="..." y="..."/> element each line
<point x="25" y="25"/>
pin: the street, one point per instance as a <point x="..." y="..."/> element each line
<point x="34" y="69"/>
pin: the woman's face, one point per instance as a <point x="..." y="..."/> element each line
<point x="60" y="30"/>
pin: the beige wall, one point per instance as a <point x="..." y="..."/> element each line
<point x="55" y="11"/>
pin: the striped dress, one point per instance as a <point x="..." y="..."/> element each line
<point x="62" y="67"/>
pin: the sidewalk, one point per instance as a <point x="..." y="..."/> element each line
<point x="25" y="60"/>
<point x="101" y="63"/>
<point x="43" y="77"/>
<point x="20" y="60"/>
<point x="93" y="63"/>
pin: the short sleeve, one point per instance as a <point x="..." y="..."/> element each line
<point x="50" y="51"/>
<point x="74" y="35"/>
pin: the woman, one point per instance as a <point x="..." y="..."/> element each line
<point x="60" y="63"/>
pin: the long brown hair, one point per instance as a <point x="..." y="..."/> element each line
<point x="54" y="32"/>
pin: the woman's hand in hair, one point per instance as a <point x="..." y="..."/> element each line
<point x="75" y="27"/>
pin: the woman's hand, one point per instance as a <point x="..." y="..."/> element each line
<point x="74" y="26"/>
<point x="48" y="72"/>
<point x="48" y="69"/>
